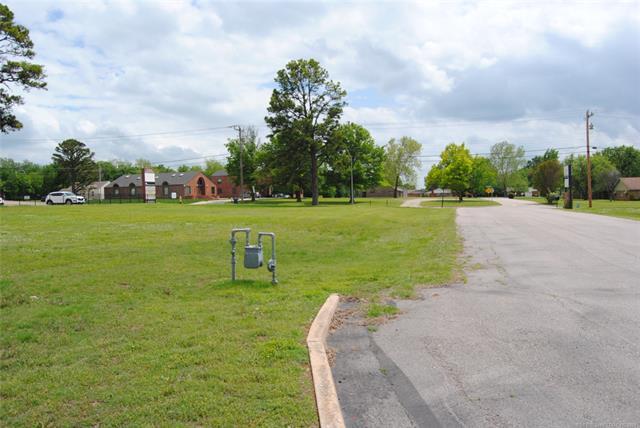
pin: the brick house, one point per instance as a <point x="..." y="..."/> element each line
<point x="384" y="192"/>
<point x="188" y="185"/>
<point x="627" y="189"/>
<point x="226" y="187"/>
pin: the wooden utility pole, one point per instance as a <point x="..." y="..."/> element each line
<point x="588" y="128"/>
<point x="353" y="199"/>
<point x="239" y="128"/>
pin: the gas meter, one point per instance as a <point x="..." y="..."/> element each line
<point x="253" y="254"/>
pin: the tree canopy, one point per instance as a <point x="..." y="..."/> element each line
<point x="507" y="159"/>
<point x="454" y="169"/>
<point x="547" y="176"/>
<point x="16" y="73"/>
<point x="304" y="111"/>
<point x="401" y="162"/>
<point x="483" y="176"/>
<point x="74" y="162"/>
<point x="626" y="159"/>
<point x="600" y="168"/>
<point x="356" y="148"/>
<point x="246" y="148"/>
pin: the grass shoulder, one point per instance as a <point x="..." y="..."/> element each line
<point x="623" y="209"/>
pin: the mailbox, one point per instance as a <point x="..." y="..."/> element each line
<point x="253" y="256"/>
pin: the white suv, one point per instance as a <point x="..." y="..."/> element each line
<point x="63" y="198"/>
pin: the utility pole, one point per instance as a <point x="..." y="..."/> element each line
<point x="589" y="126"/>
<point x="239" y="128"/>
<point x="99" y="181"/>
<point x="353" y="200"/>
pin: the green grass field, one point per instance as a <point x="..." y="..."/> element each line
<point x="124" y="314"/>
<point x="455" y="203"/>
<point x="625" y="209"/>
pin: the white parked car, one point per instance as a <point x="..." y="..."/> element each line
<point x="1" y="201"/>
<point x="63" y="198"/>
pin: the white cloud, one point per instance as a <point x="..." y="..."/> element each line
<point x="438" y="71"/>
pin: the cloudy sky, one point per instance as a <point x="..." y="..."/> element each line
<point x="163" y="80"/>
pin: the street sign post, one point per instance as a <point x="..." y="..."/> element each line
<point x="148" y="185"/>
<point x="568" y="194"/>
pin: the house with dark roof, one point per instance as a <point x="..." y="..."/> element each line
<point x="225" y="184"/>
<point x="169" y="185"/>
<point x="627" y="189"/>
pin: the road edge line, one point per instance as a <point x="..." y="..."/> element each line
<point x="327" y="404"/>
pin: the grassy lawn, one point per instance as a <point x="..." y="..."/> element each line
<point x="538" y="199"/>
<point x="455" y="203"/>
<point x="625" y="209"/>
<point x="125" y="315"/>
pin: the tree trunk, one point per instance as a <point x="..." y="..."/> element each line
<point x="395" y="188"/>
<point x="314" y="177"/>
<point x="460" y="197"/>
<point x="298" y="196"/>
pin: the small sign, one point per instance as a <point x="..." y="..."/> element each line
<point x="27" y="197"/>
<point x="566" y="182"/>
<point x="149" y="184"/>
<point x="174" y="195"/>
<point x="150" y="193"/>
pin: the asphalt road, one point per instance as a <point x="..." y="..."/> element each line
<point x="545" y="332"/>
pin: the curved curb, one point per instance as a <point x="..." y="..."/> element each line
<point x="329" y="412"/>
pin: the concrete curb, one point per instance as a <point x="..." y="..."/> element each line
<point x="329" y="412"/>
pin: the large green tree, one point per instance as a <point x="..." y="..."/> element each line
<point x="601" y="171"/>
<point x="357" y="156"/>
<point x="401" y="162"/>
<point x="305" y="109"/>
<point x="245" y="147"/>
<point x="284" y="169"/>
<point x="16" y="73"/>
<point x="434" y="177"/>
<point x="626" y="159"/>
<point x="483" y="176"/>
<point x="533" y="163"/>
<point x="456" y="167"/>
<point x="75" y="164"/>
<point x="507" y="159"/>
<point x="547" y="176"/>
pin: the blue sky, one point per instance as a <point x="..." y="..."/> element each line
<point x="440" y="72"/>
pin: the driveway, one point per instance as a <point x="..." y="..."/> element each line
<point x="545" y="332"/>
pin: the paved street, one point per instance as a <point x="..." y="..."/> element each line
<point x="546" y="331"/>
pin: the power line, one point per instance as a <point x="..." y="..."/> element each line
<point x="525" y="151"/>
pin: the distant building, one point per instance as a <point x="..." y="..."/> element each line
<point x="627" y="189"/>
<point x="225" y="184"/>
<point x="95" y="190"/>
<point x="439" y="192"/>
<point x="384" y="192"/>
<point x="532" y="193"/>
<point x="188" y="185"/>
